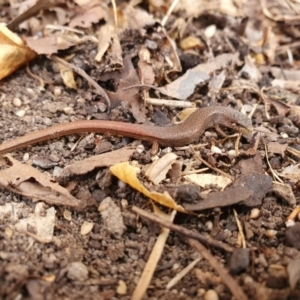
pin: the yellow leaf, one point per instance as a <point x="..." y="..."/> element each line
<point x="127" y="173"/>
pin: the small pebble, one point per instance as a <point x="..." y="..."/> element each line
<point x="215" y="149"/>
<point x="17" y="102"/>
<point x="255" y="213"/>
<point x="86" y="228"/>
<point x="292" y="236"/>
<point x="21" y="113"/>
<point x="77" y="271"/>
<point x="209" y="225"/>
<point x="121" y="184"/>
<point x="232" y="153"/>
<point x="211" y="295"/>
<point x="239" y="261"/>
<point x="270" y="233"/>
<point x="68" y="110"/>
<point x="57" y="91"/>
<point x="68" y="215"/>
<point x="122" y="288"/>
<point x="26" y="156"/>
<point x="140" y="149"/>
<point x="210" y="31"/>
<point x="248" y="280"/>
<point x="124" y="204"/>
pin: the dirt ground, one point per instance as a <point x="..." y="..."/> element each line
<point x="69" y="252"/>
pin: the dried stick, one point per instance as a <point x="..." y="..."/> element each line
<point x="227" y="279"/>
<point x="82" y="73"/>
<point x="183" y="231"/>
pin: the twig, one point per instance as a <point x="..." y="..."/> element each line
<point x="213" y="168"/>
<point x="183" y="231"/>
<point x="271" y="169"/>
<point x="99" y="89"/>
<point x="36" y="77"/>
<point x="169" y="103"/>
<point x="170" y="10"/>
<point x="232" y="285"/>
<point x="239" y="225"/>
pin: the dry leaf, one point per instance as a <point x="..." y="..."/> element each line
<point x="208" y="179"/>
<point x="27" y="181"/>
<point x="103" y="160"/>
<point x="127" y="174"/>
<point x="67" y="76"/>
<point x="184" y="86"/>
<point x="13" y="52"/>
<point x="87" y="18"/>
<point x="275" y="147"/>
<point x="291" y="172"/>
<point x="293" y="270"/>
<point x="158" y="170"/>
<point x="51" y="44"/>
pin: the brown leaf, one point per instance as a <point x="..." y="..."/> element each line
<point x="98" y="161"/>
<point x="249" y="190"/>
<point x="27" y="181"/>
<point x="49" y="45"/>
<point x="184" y="86"/>
<point x="87" y="18"/>
<point x="230" y="196"/>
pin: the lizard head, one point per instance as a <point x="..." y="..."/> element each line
<point x="240" y="122"/>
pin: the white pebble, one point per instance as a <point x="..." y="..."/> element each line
<point x="140" y="149"/>
<point x="209" y="225"/>
<point x="232" y="153"/>
<point x="255" y="213"/>
<point x="57" y="91"/>
<point x="17" y="102"/>
<point x="26" y="156"/>
<point x="86" y="228"/>
<point x="121" y="184"/>
<point x="68" y="110"/>
<point x="210" y="31"/>
<point x="215" y="149"/>
<point x="20" y="113"/>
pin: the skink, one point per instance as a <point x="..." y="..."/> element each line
<point x="178" y="135"/>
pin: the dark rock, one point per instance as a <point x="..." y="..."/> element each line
<point x="292" y="236"/>
<point x="239" y="261"/>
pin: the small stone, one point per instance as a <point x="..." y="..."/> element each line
<point x="17" y="102"/>
<point x="77" y="271"/>
<point x="255" y="213"/>
<point x="68" y="110"/>
<point x="21" y="113"/>
<point x="211" y="295"/>
<point x="239" y="261"/>
<point x="57" y="91"/>
<point x="215" y="149"/>
<point x="67" y="215"/>
<point x="122" y="288"/>
<point x="86" y="228"/>
<point x="270" y="233"/>
<point x="292" y="236"/>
